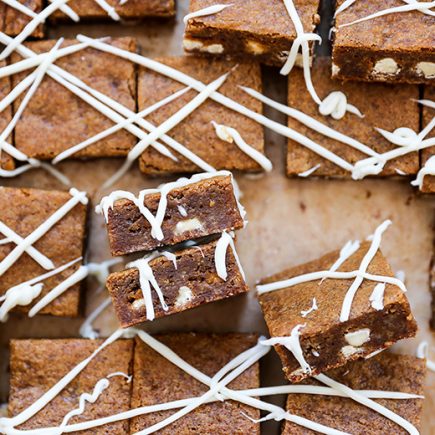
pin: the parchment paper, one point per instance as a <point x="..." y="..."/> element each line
<point x="290" y="222"/>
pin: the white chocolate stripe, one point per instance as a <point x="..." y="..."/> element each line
<point x="427" y="169"/>
<point x="310" y="171"/>
<point x="211" y="10"/>
<point x="86" y="328"/>
<point x="12" y="257"/>
<point x="68" y="12"/>
<point x="20" y="7"/>
<point x="423" y="353"/>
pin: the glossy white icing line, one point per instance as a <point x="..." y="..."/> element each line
<point x="220" y="255"/>
<point x="86" y="328"/>
<point x="376" y="240"/>
<point x="74" y="149"/>
<point x="165" y="126"/>
<point x="427" y="169"/>
<point x="335" y="104"/>
<point x="231" y="135"/>
<point x="313" y="307"/>
<point x="210" y="10"/>
<point x="354" y="395"/>
<point x="346" y="4"/>
<point x="310" y="171"/>
<point x="423" y="353"/>
<point x="345" y="253"/>
<point x="377" y="297"/>
<point x="20" y="7"/>
<point x="76" y="198"/>
<point x="412" y="6"/>
<point x="292" y="344"/>
<point x="68" y="12"/>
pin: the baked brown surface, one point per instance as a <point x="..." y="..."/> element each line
<point x="428" y="185"/>
<point x="36" y="365"/>
<point x="209" y="203"/>
<point x="323" y="332"/>
<point x="12" y="21"/>
<point x="156" y="380"/>
<point x="6" y="161"/>
<point x="64" y="242"/>
<point x="260" y="29"/>
<point x="357" y="48"/>
<point x="193" y="283"/>
<point x="71" y="120"/>
<point x="384" y="106"/>
<point x="386" y="372"/>
<point x="131" y="10"/>
<point x="196" y="132"/>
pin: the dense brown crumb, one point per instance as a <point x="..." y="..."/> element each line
<point x="385" y="372"/>
<point x="383" y="106"/>
<point x="192" y="283"/>
<point x="196" y="132"/>
<point x="209" y="207"/>
<point x="72" y="120"/>
<point x="358" y="48"/>
<point x="323" y="332"/>
<point x="36" y="365"/>
<point x="156" y="380"/>
<point x="64" y="242"/>
<point x="256" y="29"/>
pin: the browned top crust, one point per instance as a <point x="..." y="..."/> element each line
<point x="6" y="161"/>
<point x="133" y="9"/>
<point x="55" y="119"/>
<point x="36" y="365"/>
<point x="402" y="32"/>
<point x="428" y="114"/>
<point x="196" y="132"/>
<point x="210" y="204"/>
<point x="329" y="295"/>
<point x="386" y="372"/>
<point x="384" y="106"/>
<point x="26" y="210"/>
<point x="156" y="380"/>
<point x="12" y="21"/>
<point x="263" y="19"/>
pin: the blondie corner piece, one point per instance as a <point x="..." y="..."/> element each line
<point x="72" y="120"/>
<point x="384" y="372"/>
<point x="397" y="47"/>
<point x="12" y="21"/>
<point x="195" y="208"/>
<point x="23" y="211"/>
<point x="256" y="29"/>
<point x="156" y="380"/>
<point x="188" y="280"/>
<point x="428" y="185"/>
<point x="38" y="364"/>
<point x="90" y="10"/>
<point x="383" y="106"/>
<point x="197" y="132"/>
<point x="325" y="341"/>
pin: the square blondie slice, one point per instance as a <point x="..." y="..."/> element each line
<point x="256" y="29"/>
<point x="23" y="211"/>
<point x="187" y="280"/>
<point x="377" y="318"/>
<point x="384" y="372"/>
<point x="157" y="380"/>
<point x="197" y="132"/>
<point x="374" y="50"/>
<point x="38" y="364"/>
<point x="383" y="106"/>
<point x="90" y="10"/>
<point x="202" y="206"/>
<point x="56" y="119"/>
<point x="428" y="185"/>
<point x="13" y="21"/>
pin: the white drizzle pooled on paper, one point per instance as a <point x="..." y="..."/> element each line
<point x="358" y="275"/>
<point x="156" y="221"/>
<point x="217" y="391"/>
<point x="423" y="353"/>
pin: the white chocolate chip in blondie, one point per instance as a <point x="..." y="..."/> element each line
<point x="138" y="303"/>
<point x="358" y="338"/>
<point x="188" y="225"/>
<point x="426" y="69"/>
<point x="335" y="69"/>
<point x="194" y="45"/>
<point x="255" y="47"/>
<point x="191" y="44"/>
<point x="348" y="351"/>
<point x="386" y="66"/>
<point x="185" y="295"/>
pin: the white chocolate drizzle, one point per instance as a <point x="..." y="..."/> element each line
<point x="218" y="390"/>
<point x="86" y="328"/>
<point x="336" y="105"/>
<point x="423" y="353"/>
<point x="377" y="297"/>
<point x="358" y="275"/>
<point x="210" y="10"/>
<point x="313" y="307"/>
<point x="427" y="169"/>
<point x="310" y="171"/>
<point x="224" y="241"/>
<point x="231" y="135"/>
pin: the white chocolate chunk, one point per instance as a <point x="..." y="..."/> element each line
<point x="255" y="47"/>
<point x="335" y="69"/>
<point x="358" y="338"/>
<point x="138" y="303"/>
<point x="194" y="45"/>
<point x="386" y="66"/>
<point x="185" y="295"/>
<point x="191" y="44"/>
<point x="426" y="69"/>
<point x="214" y="48"/>
<point x="188" y="225"/>
<point x="348" y="351"/>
